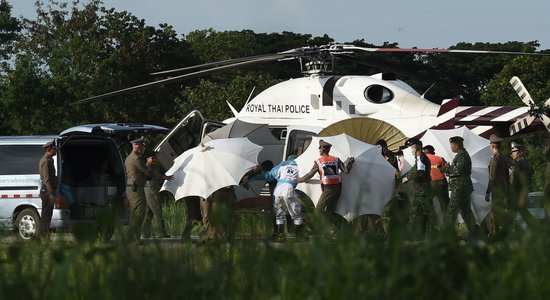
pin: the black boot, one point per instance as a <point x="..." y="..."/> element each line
<point x="279" y="233"/>
<point x="299" y="231"/>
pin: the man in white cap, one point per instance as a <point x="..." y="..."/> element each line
<point x="137" y="173"/>
<point x="49" y="186"/>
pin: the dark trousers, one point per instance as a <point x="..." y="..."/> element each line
<point x="193" y="215"/>
<point x="138" y="206"/>
<point x="326" y="206"/>
<point x="48" y="201"/>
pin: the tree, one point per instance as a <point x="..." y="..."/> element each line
<point x="9" y="30"/>
<point x="86" y="50"/>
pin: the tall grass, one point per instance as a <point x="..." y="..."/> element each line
<point x="514" y="266"/>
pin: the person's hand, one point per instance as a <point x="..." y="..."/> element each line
<point x="169" y="177"/>
<point x="487" y="197"/>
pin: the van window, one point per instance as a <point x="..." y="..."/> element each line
<point x="20" y="159"/>
<point x="90" y="163"/>
<point x="187" y="136"/>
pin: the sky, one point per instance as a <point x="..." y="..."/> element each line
<point x="421" y="23"/>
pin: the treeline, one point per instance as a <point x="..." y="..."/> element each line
<point x="73" y="51"/>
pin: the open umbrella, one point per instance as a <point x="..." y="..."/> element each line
<point x="366" y="189"/>
<point x="257" y="133"/>
<point x="479" y="151"/>
<point x="202" y="170"/>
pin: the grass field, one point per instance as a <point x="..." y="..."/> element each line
<point x="512" y="266"/>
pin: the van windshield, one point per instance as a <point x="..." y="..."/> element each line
<point x="20" y="159"/>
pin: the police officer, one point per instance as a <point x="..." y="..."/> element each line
<point x="49" y="186"/>
<point x="328" y="168"/>
<point x="439" y="181"/>
<point x="423" y="215"/>
<point x="460" y="186"/>
<point x="137" y="173"/>
<point x="153" y="197"/>
<point x="520" y="179"/>
<point x="497" y="189"/>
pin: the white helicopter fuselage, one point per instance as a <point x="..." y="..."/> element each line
<point x="324" y="100"/>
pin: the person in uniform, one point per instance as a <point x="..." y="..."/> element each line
<point x="422" y="215"/>
<point x="286" y="200"/>
<point x="497" y="189"/>
<point x="520" y="179"/>
<point x="440" y="187"/>
<point x="153" y="197"/>
<point x="328" y="168"/>
<point x="460" y="185"/>
<point x="137" y="174"/>
<point x="48" y="188"/>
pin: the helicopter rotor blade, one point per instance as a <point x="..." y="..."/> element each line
<point x="546" y="121"/>
<point x="337" y="48"/>
<point x="521" y="91"/>
<point x="169" y="80"/>
<point x="226" y="62"/>
<point x="521" y="124"/>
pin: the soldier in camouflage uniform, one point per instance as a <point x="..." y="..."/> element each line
<point x="460" y="186"/>
<point x="423" y="214"/>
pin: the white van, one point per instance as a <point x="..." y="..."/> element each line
<point x="90" y="172"/>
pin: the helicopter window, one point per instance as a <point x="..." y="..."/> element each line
<point x="298" y="141"/>
<point x="338" y="105"/>
<point x="352" y="109"/>
<point x="378" y="94"/>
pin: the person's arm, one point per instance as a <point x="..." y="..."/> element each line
<point x="492" y="176"/>
<point x="309" y="175"/>
<point x="346" y="167"/>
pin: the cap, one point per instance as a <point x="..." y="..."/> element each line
<point x="49" y="144"/>
<point x="516" y="147"/>
<point x="495" y="138"/>
<point x="138" y="141"/>
<point x="429" y="148"/>
<point x="324" y="144"/>
<point x="413" y="141"/>
<point x="456" y="140"/>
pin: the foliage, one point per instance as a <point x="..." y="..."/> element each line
<point x="9" y="29"/>
<point x="510" y="267"/>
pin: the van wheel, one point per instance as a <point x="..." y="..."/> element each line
<point x="27" y="224"/>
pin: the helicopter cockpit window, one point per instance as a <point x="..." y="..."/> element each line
<point x="378" y="94"/>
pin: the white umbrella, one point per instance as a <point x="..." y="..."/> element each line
<point x="202" y="170"/>
<point x="366" y="189"/>
<point x="259" y="134"/>
<point x="480" y="153"/>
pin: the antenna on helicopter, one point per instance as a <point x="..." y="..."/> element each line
<point x="426" y="91"/>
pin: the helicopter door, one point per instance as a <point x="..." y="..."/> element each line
<point x="185" y="135"/>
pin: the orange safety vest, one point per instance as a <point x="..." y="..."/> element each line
<point x="328" y="170"/>
<point x="435" y="172"/>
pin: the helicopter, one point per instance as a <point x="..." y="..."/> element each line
<point x="299" y="108"/>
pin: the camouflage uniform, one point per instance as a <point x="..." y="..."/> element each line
<point x="423" y="214"/>
<point x="461" y="188"/>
